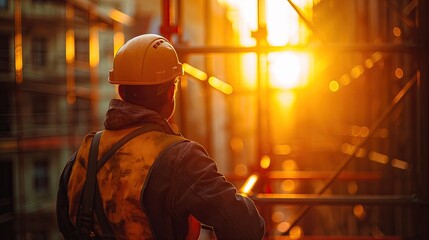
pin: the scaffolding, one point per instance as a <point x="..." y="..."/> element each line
<point x="401" y="99"/>
<point x="349" y="159"/>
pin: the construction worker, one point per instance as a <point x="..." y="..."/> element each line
<point x="158" y="185"/>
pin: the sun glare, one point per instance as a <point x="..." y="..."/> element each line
<point x="287" y="70"/>
<point x="282" y="23"/>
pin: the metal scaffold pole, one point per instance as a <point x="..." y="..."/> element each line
<point x="422" y="213"/>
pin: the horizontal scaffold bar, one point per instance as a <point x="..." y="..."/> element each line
<point x="338" y="47"/>
<point x="314" y="199"/>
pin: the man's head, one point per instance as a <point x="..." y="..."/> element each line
<point x="146" y="69"/>
<point x="159" y="98"/>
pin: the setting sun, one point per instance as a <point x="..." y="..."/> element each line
<point x="287" y="70"/>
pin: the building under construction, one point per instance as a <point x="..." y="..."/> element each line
<point x="315" y="109"/>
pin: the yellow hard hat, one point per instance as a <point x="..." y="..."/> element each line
<point x="148" y="59"/>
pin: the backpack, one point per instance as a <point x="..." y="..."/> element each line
<point x="91" y="199"/>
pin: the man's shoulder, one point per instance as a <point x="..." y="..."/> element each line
<point x="186" y="146"/>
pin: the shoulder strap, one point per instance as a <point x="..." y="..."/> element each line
<point x="125" y="139"/>
<point x="84" y="219"/>
<point x="91" y="191"/>
<point x="101" y="216"/>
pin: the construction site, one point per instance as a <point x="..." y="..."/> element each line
<point x="317" y="110"/>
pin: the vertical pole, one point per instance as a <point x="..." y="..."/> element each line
<point x="93" y="67"/>
<point x="167" y="29"/>
<point x="118" y="36"/>
<point x="18" y="42"/>
<point x="20" y="222"/>
<point x="182" y="88"/>
<point x="206" y="87"/>
<point x="423" y="119"/>
<point x="179" y="22"/>
<point x="70" y="73"/>
<point x="262" y="84"/>
<point x="262" y="118"/>
<point x="165" y="25"/>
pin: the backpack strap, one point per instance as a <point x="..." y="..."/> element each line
<point x="84" y="220"/>
<point x="101" y="216"/>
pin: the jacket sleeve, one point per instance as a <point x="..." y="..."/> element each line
<point x="205" y="193"/>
